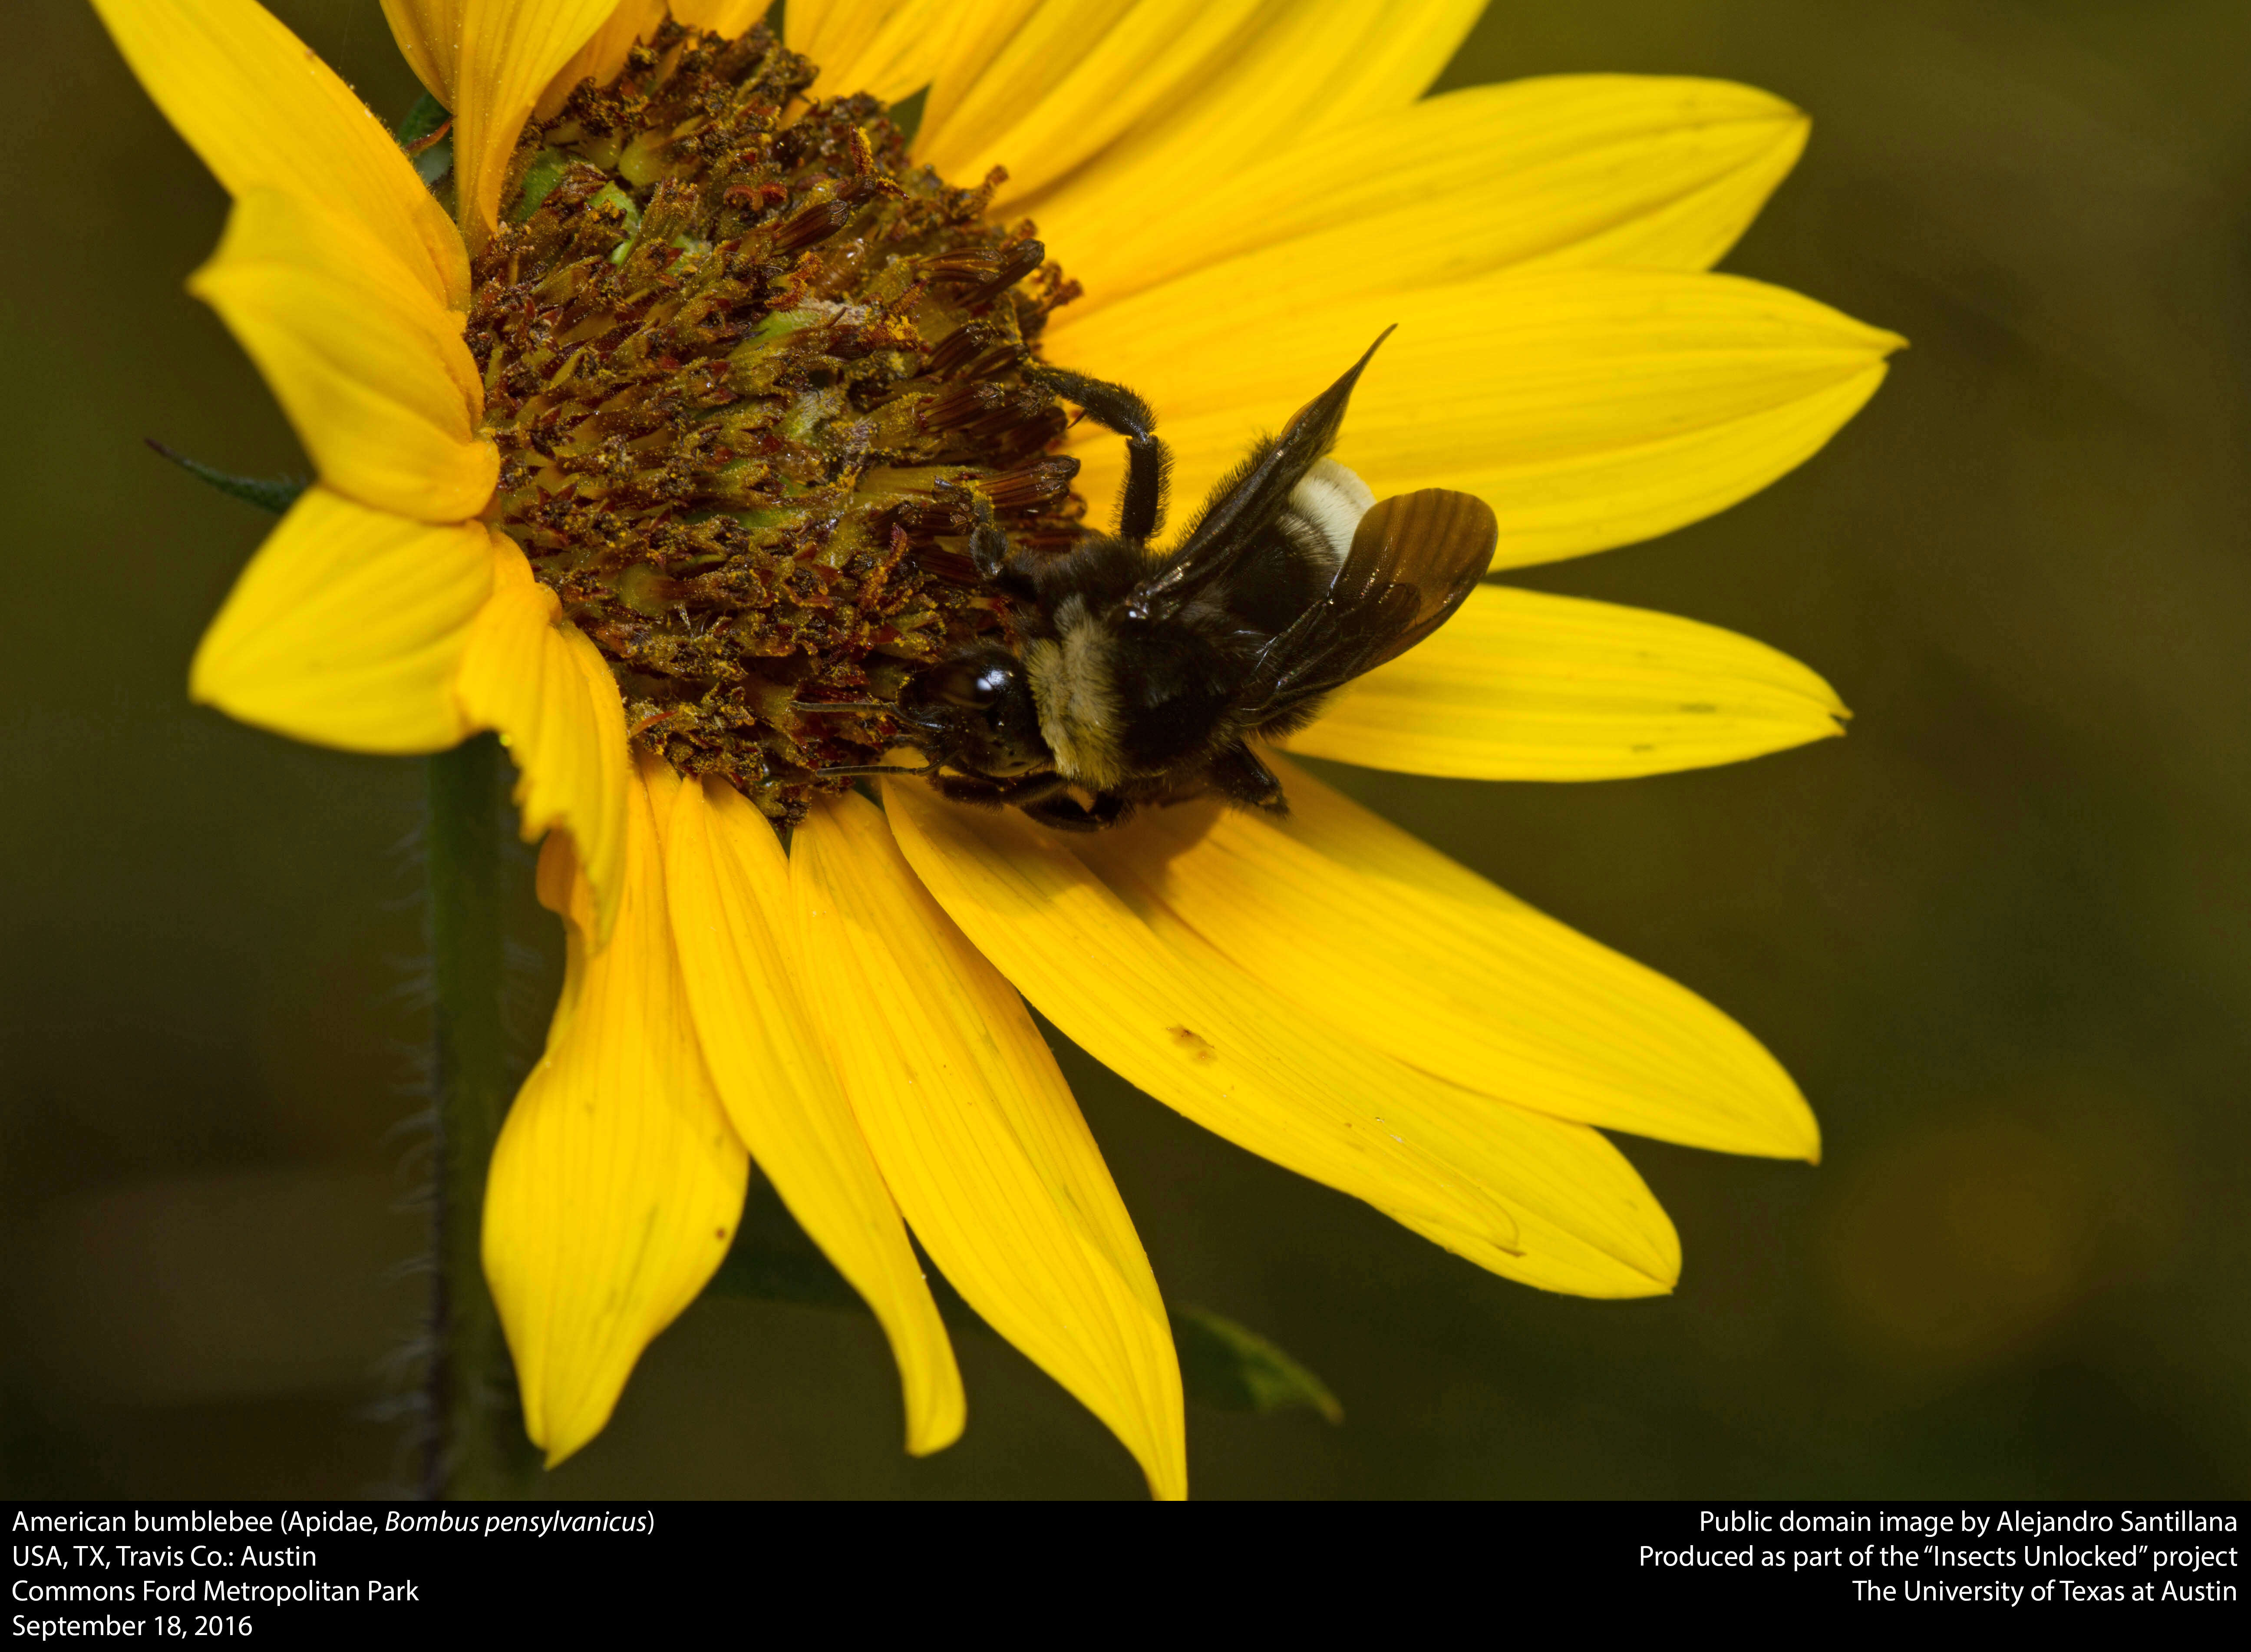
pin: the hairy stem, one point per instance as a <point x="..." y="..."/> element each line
<point x="476" y="1446"/>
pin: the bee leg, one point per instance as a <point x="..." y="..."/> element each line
<point x="996" y="559"/>
<point x="991" y="793"/>
<point x="971" y="788"/>
<point x="1237" y="775"/>
<point x="1031" y="789"/>
<point x="903" y="770"/>
<point x="1142" y="505"/>
<point x="1065" y="813"/>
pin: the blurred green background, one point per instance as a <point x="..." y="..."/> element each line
<point x="1999" y="935"/>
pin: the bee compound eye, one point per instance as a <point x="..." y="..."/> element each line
<point x="977" y="683"/>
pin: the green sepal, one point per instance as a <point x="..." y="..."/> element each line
<point x="275" y="494"/>
<point x="539" y="181"/>
<point x="1222" y="1365"/>
<point x="611" y="195"/>
<point x="905" y="116"/>
<point x="782" y="322"/>
<point x="1225" y="1365"/>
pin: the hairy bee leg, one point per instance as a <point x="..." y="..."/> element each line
<point x="966" y="788"/>
<point x="993" y="557"/>
<point x="991" y="793"/>
<point x="1148" y="461"/>
<point x="903" y="770"/>
<point x="1065" y="813"/>
<point x="1035" y="788"/>
<point x="1237" y="775"/>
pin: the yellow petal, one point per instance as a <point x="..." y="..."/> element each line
<point x="604" y="55"/>
<point x="535" y="678"/>
<point x="951" y="45"/>
<point x="730" y="17"/>
<point x="346" y="629"/>
<point x="1073" y="77"/>
<point x="1589" y="408"/>
<point x="1521" y="685"/>
<point x="1301" y="68"/>
<point x="977" y="1136"/>
<point x="736" y="928"/>
<point x="264" y="112"/>
<point x="510" y="50"/>
<point x="617" y="1183"/>
<point x="370" y="368"/>
<point x="891" y="48"/>
<point x="1566" y="170"/>
<point x="428" y="35"/>
<point x="1387" y="940"/>
<point x="1551" y="1203"/>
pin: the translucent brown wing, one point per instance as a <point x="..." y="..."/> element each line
<point x="1413" y="562"/>
<point x="1437" y="543"/>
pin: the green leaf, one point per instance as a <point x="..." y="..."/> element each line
<point x="432" y="165"/>
<point x="1224" y="1365"/>
<point x="428" y="143"/>
<point x="425" y="117"/>
<point x="275" y="494"/>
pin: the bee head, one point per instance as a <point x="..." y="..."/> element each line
<point x="976" y="710"/>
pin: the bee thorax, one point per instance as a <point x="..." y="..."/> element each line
<point x="1075" y="686"/>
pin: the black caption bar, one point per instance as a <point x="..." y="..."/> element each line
<point x="293" y="1572"/>
<point x="1904" y="1557"/>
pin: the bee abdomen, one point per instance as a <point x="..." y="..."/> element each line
<point x="1324" y="512"/>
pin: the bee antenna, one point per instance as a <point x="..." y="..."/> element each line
<point x="878" y="768"/>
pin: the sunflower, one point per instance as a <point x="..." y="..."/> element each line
<point x="653" y="428"/>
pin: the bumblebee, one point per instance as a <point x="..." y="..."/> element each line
<point x="1142" y="679"/>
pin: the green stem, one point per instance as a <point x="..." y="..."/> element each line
<point x="476" y="1446"/>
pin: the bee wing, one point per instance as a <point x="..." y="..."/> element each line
<point x="1436" y="544"/>
<point x="1413" y="562"/>
<point x="1255" y="492"/>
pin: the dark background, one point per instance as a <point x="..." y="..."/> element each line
<point x="1999" y="935"/>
